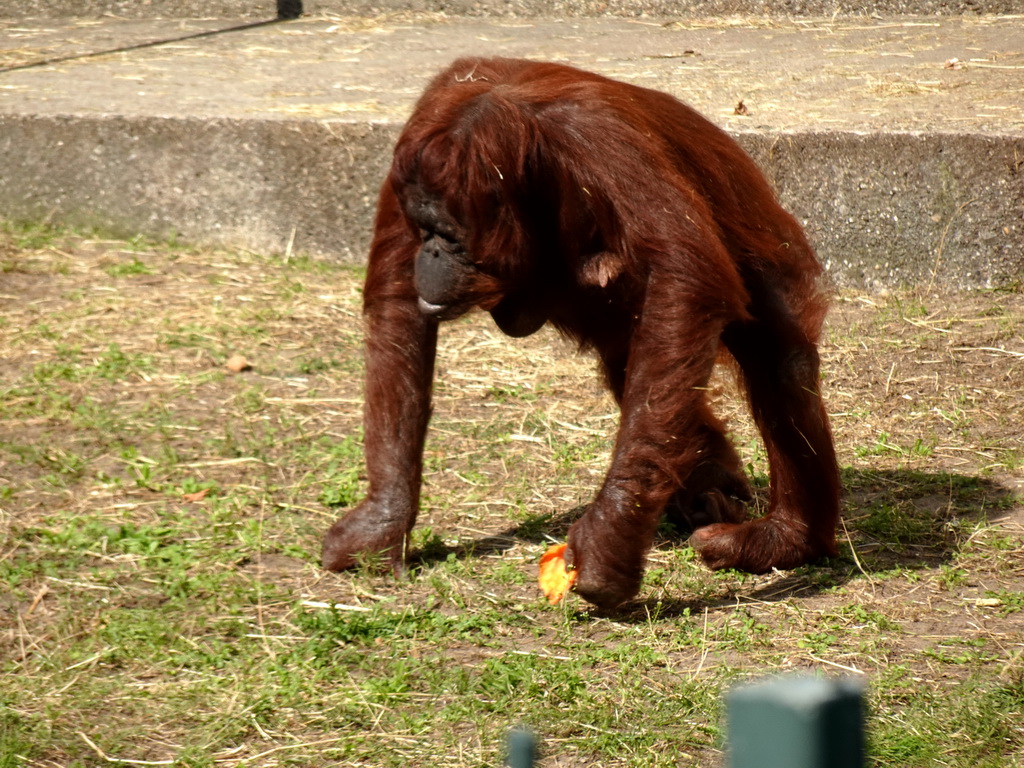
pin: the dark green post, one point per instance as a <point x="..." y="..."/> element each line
<point x="522" y="749"/>
<point x="796" y="722"/>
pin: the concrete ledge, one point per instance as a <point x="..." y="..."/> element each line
<point x="899" y="208"/>
<point x="259" y="184"/>
<point x="939" y="207"/>
<point x="904" y="162"/>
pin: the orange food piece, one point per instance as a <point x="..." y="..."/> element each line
<point x="555" y="578"/>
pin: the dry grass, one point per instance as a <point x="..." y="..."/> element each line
<point x="160" y="521"/>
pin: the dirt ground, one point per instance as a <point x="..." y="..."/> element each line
<point x="115" y="404"/>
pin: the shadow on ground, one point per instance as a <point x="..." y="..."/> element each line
<point x="893" y="519"/>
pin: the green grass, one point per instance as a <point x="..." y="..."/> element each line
<point x="160" y="524"/>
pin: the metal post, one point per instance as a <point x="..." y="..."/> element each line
<point x="289" y="9"/>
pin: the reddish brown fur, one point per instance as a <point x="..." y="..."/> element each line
<point x="643" y="232"/>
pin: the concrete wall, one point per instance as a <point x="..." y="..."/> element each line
<point x="898" y="208"/>
<point x="248" y="182"/>
<point x="947" y="207"/>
